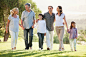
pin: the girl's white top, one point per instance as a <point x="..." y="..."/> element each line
<point x="14" y="23"/>
<point x="59" y="20"/>
<point x="41" y="26"/>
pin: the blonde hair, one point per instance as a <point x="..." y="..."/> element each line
<point x="13" y="10"/>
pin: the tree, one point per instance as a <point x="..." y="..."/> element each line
<point x="7" y="5"/>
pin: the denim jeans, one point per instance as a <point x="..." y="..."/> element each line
<point x="30" y="37"/>
<point x="41" y="38"/>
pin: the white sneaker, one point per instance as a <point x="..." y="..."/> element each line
<point x="39" y="48"/>
<point x="71" y="49"/>
<point x="31" y="48"/>
<point x="60" y="49"/>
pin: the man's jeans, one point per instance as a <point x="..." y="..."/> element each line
<point x="41" y="38"/>
<point x="30" y="37"/>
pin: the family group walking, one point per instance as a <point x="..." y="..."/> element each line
<point x="45" y="26"/>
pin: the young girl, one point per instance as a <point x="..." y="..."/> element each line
<point x="41" y="30"/>
<point x="73" y="35"/>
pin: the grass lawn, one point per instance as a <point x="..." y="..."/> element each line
<point x="5" y="50"/>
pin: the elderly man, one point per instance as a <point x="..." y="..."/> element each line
<point x="27" y="24"/>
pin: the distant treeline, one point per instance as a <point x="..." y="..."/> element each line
<point x="80" y="23"/>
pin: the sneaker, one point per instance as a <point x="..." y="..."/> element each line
<point x="71" y="49"/>
<point x="48" y="48"/>
<point x="63" y="49"/>
<point x="26" y="48"/>
<point x="39" y="48"/>
<point x="12" y="49"/>
<point x="60" y="49"/>
<point x="30" y="48"/>
<point x="75" y="50"/>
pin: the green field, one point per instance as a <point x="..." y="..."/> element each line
<point x="5" y="50"/>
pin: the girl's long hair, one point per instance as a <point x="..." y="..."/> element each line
<point x="13" y="10"/>
<point x="71" y="24"/>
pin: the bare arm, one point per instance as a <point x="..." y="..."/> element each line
<point x="33" y="24"/>
<point x="21" y="22"/>
<point x="65" y="22"/>
<point x="68" y="30"/>
<point x="7" y="26"/>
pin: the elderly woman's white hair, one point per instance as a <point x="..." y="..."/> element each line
<point x="13" y="10"/>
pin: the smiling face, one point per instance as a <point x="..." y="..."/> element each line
<point x="40" y="17"/>
<point x="16" y="12"/>
<point x="27" y="7"/>
<point x="73" y="24"/>
<point x="50" y="9"/>
<point x="58" y="10"/>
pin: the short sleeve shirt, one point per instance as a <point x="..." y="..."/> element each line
<point x="14" y="23"/>
<point x="28" y="19"/>
<point x="49" y="21"/>
<point x="59" y="20"/>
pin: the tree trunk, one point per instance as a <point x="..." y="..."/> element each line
<point x="6" y="35"/>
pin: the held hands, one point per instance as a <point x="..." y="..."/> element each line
<point x="67" y="29"/>
<point x="76" y="37"/>
<point x="21" y="26"/>
<point x="45" y="34"/>
<point x="32" y="26"/>
<point x="63" y="23"/>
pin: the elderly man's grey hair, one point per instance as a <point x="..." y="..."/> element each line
<point x="28" y="4"/>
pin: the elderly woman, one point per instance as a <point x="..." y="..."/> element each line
<point x="13" y="23"/>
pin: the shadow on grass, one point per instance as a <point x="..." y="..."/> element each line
<point x="36" y="53"/>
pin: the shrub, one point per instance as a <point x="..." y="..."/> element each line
<point x="56" y="40"/>
<point x="66" y="38"/>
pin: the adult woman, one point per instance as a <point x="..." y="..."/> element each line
<point x="13" y="23"/>
<point x="60" y="21"/>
